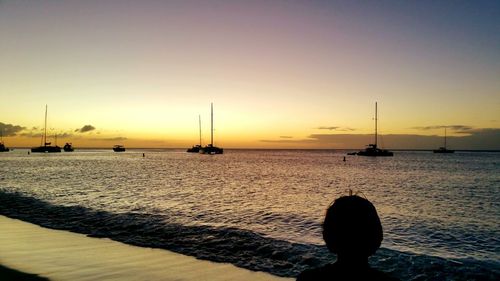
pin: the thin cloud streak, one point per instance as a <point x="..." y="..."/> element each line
<point x="458" y="128"/>
<point x="301" y="141"/>
<point x="335" y="128"/>
<point x="31" y="135"/>
<point x="110" y="139"/>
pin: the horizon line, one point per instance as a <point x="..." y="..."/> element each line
<point x="265" y="148"/>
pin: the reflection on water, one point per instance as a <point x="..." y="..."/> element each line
<point x="442" y="205"/>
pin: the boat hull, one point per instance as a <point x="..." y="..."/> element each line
<point x="194" y="149"/>
<point x="375" y="154"/>
<point x="374" y="151"/>
<point x="46" y="149"/>
<point x="211" y="150"/>
<point x="444" y="151"/>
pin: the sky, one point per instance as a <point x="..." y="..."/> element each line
<point x="281" y="74"/>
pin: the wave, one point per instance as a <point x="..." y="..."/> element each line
<point x="242" y="248"/>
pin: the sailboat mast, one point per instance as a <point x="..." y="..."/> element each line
<point x="212" y="124"/>
<point x="445" y="137"/>
<point x="45" y="129"/>
<point x="376" y="116"/>
<point x="199" y="126"/>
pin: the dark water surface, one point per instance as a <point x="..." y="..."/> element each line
<point x="263" y="209"/>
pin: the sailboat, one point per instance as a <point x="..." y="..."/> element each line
<point x="443" y="149"/>
<point x="46" y="147"/>
<point x="2" y="145"/>
<point x="372" y="149"/>
<point x="196" y="148"/>
<point x="210" y="148"/>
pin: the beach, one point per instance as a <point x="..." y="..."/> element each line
<point x="64" y="255"/>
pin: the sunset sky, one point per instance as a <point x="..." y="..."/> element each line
<point x="281" y="74"/>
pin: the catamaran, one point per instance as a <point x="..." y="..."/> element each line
<point x="443" y="149"/>
<point x="46" y="146"/>
<point x="372" y="149"/>
<point x="210" y="148"/>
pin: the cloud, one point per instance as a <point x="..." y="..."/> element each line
<point x="65" y="135"/>
<point x="457" y="128"/>
<point x="286" y="137"/>
<point x="335" y="128"/>
<point x="301" y="141"/>
<point x="31" y="135"/>
<point x="86" y="128"/>
<point x="327" y="128"/>
<point x="8" y="130"/>
<point x="476" y="139"/>
<point x="111" y="139"/>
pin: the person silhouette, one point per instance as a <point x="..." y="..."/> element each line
<point x="351" y="230"/>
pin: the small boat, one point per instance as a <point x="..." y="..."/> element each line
<point x="118" y="148"/>
<point x="46" y="147"/>
<point x="2" y="145"/>
<point x="3" y="148"/>
<point x="443" y="149"/>
<point x="210" y="148"/>
<point x="372" y="149"/>
<point x="196" y="148"/>
<point x="68" y="147"/>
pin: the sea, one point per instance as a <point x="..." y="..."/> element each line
<point x="263" y="209"/>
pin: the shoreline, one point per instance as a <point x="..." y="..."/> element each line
<point x="62" y="255"/>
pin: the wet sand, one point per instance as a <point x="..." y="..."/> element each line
<point x="11" y="274"/>
<point x="62" y="255"/>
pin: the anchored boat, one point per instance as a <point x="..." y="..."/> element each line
<point x="210" y="148"/>
<point x="443" y="149"/>
<point x="372" y="149"/>
<point x="46" y="146"/>
<point x="68" y="147"/>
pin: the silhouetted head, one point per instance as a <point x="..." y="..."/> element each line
<point x="352" y="227"/>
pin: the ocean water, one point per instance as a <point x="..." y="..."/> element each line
<point x="263" y="209"/>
